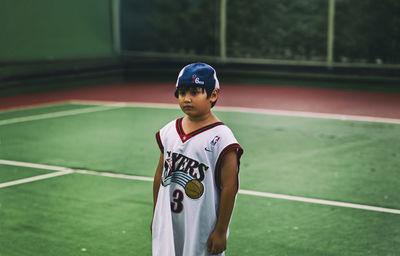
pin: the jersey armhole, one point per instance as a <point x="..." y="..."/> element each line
<point x="218" y="165"/>
<point x="159" y="142"/>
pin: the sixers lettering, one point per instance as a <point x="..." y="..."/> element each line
<point x="176" y="162"/>
<point x="182" y="170"/>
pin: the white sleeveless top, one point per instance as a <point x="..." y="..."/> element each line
<point x="188" y="198"/>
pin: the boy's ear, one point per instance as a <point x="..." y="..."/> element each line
<point x="214" y="95"/>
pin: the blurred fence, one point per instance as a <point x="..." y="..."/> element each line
<point x="45" y="43"/>
<point x="359" y="33"/>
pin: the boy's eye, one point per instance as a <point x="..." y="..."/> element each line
<point x="192" y="91"/>
<point x="182" y="92"/>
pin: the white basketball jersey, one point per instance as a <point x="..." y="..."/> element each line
<point x="188" y="198"/>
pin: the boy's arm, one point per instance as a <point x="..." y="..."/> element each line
<point x="156" y="184"/>
<point x="217" y="241"/>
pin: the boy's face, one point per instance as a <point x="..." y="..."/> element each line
<point x="194" y="101"/>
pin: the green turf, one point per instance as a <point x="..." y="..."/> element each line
<point x="120" y="140"/>
<point x="62" y="215"/>
<point x="328" y="159"/>
<point x="263" y="226"/>
<point x="349" y="161"/>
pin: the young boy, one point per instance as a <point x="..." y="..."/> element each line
<point x="196" y="179"/>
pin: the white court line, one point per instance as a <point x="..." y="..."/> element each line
<point x="63" y="170"/>
<point x="115" y="175"/>
<point x="105" y="105"/>
<point x="60" y="171"/>
<point x="35" y="178"/>
<point x="31" y="106"/>
<point x="36" y="166"/>
<point x="319" y="201"/>
<point x="310" y="114"/>
<point x="61" y="113"/>
<point x="254" y="111"/>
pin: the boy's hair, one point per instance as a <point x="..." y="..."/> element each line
<point x="198" y="75"/>
<point x="186" y="88"/>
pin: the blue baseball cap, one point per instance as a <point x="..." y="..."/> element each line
<point x="197" y="75"/>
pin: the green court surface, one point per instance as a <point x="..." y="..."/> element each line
<point x="353" y="162"/>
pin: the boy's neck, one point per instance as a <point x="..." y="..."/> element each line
<point x="192" y="123"/>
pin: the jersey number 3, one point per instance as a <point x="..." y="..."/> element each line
<point x="177" y="198"/>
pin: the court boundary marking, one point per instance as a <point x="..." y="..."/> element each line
<point x="64" y="170"/>
<point x="61" y="113"/>
<point x="265" y="111"/>
<point x="109" y="105"/>
<point x="34" y="105"/>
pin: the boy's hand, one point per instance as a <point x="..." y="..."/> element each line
<point x="216" y="243"/>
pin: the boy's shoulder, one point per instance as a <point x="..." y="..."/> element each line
<point x="172" y="122"/>
<point x="225" y="131"/>
<point x="168" y="126"/>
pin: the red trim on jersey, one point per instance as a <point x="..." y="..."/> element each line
<point x="218" y="165"/>
<point x="159" y="142"/>
<point x="184" y="137"/>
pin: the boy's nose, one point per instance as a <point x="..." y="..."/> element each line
<point x="187" y="97"/>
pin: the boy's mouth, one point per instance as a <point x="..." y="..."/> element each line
<point x="188" y="107"/>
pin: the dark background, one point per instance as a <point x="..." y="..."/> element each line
<point x="54" y="44"/>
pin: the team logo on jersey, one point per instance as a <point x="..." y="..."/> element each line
<point x="185" y="172"/>
<point x="212" y="144"/>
